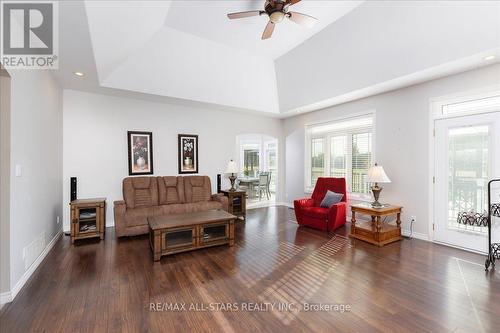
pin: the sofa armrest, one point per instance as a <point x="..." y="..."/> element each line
<point x="306" y="202"/>
<point x="337" y="215"/>
<point x="119" y="209"/>
<point x="298" y="205"/>
<point x="222" y="199"/>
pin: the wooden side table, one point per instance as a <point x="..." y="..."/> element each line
<point x="88" y="218"/>
<point x="374" y="231"/>
<point x="237" y="202"/>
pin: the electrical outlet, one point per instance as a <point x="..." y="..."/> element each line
<point x="58" y="220"/>
<point x="413" y="218"/>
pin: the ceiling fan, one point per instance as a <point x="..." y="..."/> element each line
<point x="277" y="10"/>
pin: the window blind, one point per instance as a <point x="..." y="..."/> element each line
<point x="341" y="148"/>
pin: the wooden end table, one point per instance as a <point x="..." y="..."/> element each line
<point x="237" y="202"/>
<point x="88" y="218"/>
<point x="375" y="231"/>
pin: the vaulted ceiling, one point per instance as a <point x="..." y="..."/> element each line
<point x="190" y="52"/>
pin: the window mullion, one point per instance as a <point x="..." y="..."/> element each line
<point x="327" y="156"/>
<point x="349" y="162"/>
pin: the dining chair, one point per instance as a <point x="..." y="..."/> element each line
<point x="263" y="184"/>
<point x="268" y="187"/>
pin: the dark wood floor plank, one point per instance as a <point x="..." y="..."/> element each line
<point x="109" y="286"/>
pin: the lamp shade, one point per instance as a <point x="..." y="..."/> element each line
<point x="376" y="174"/>
<point x="231" y="167"/>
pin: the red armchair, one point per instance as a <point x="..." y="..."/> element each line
<point x="309" y="212"/>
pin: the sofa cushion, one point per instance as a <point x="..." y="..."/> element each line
<point x="315" y="212"/>
<point x="170" y="190"/>
<point x="197" y="188"/>
<point x="140" y="192"/>
<point x="202" y="206"/>
<point x="138" y="216"/>
<point x="172" y="209"/>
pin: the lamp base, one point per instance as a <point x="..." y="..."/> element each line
<point x="232" y="179"/>
<point x="376" y="193"/>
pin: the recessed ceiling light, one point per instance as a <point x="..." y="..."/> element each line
<point x="80" y="74"/>
<point x="490" y="57"/>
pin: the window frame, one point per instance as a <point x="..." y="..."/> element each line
<point x="327" y="136"/>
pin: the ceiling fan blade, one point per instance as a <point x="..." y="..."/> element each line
<point x="238" y="15"/>
<point x="268" y="31"/>
<point x="291" y="2"/>
<point x="302" y="19"/>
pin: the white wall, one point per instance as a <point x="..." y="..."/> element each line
<point x="383" y="40"/>
<point x="402" y="132"/>
<point x="4" y="181"/>
<point x="36" y="146"/>
<point x="95" y="140"/>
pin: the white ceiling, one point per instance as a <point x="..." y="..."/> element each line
<point x="189" y="52"/>
<point x="208" y="19"/>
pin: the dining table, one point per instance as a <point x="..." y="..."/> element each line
<point x="250" y="182"/>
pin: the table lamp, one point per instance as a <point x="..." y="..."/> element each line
<point x="376" y="174"/>
<point x="232" y="169"/>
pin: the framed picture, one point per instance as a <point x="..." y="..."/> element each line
<point x="140" y="153"/>
<point x="188" y="153"/>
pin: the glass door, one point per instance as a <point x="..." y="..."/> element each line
<point x="272" y="165"/>
<point x="467" y="156"/>
<point x="251" y="159"/>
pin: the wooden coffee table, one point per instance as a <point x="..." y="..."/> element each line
<point x="375" y="231"/>
<point x="170" y="234"/>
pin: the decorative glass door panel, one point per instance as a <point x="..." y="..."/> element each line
<point x="467" y="156"/>
<point x="469" y="173"/>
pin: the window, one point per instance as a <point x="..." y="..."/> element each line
<point x="340" y="149"/>
<point x="272" y="164"/>
<point x="250" y="162"/>
<point x="317" y="159"/>
<point x="485" y="104"/>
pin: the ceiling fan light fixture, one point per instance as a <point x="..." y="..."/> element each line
<point x="276" y="17"/>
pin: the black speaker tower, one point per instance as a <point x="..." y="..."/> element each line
<point x="219" y="183"/>
<point x="73" y="188"/>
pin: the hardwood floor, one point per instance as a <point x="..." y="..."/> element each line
<point x="114" y="285"/>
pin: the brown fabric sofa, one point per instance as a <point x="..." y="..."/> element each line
<point x="153" y="196"/>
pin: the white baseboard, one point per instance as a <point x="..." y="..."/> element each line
<point x="9" y="296"/>
<point x="267" y="204"/>
<point x="5" y="297"/>
<point x="416" y="235"/>
<point x="460" y="247"/>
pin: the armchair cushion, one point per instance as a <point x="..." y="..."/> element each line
<point x="316" y="212"/>
<point x="330" y="199"/>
